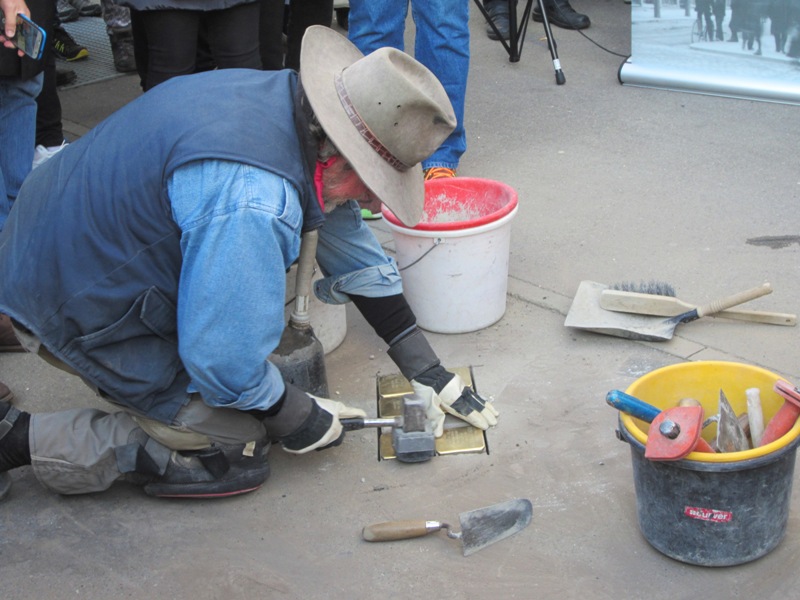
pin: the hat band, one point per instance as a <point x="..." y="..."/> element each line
<point x="364" y="129"/>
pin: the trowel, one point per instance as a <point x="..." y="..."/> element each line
<point x="730" y="435"/>
<point x="479" y="527"/>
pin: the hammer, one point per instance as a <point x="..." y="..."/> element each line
<point x="412" y="436"/>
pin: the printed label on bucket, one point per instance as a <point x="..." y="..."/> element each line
<point x="708" y="514"/>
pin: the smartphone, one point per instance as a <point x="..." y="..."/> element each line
<point x="29" y="37"/>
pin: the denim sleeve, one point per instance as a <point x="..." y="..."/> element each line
<point x="352" y="259"/>
<point x="240" y="233"/>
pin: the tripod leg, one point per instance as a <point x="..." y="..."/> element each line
<point x="551" y="43"/>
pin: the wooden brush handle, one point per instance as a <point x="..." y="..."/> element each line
<point x="736" y="299"/>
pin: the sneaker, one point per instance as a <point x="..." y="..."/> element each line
<point x="368" y="215"/>
<point x="66" y="12"/>
<point x="439" y="173"/>
<point x="86" y="8"/>
<point x="42" y="153"/>
<point x="65" y="76"/>
<point x="66" y="47"/>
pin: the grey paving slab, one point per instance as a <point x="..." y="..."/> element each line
<point x="615" y="183"/>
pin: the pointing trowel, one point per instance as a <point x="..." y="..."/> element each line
<point x="479" y="527"/>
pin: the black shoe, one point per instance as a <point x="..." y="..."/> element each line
<point x="65" y="76"/>
<point x="66" y="12"/>
<point x="86" y="8"/>
<point x="216" y="472"/>
<point x="561" y="14"/>
<point x="66" y="47"/>
<point x="14" y="427"/>
<point x="122" y="49"/>
<point x="498" y="12"/>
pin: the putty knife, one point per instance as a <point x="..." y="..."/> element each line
<point x="479" y="527"/>
<point x="730" y="435"/>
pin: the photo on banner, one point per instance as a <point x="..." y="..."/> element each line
<point x="736" y="48"/>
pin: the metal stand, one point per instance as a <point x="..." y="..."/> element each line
<point x="517" y="33"/>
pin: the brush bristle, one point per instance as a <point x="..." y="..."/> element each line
<point x="653" y="287"/>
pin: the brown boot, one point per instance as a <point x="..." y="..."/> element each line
<point x="8" y="341"/>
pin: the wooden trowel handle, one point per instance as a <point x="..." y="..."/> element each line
<point x="735" y="300"/>
<point x="400" y="530"/>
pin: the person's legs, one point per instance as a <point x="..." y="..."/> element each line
<point x="233" y="35"/>
<point x="377" y="23"/>
<point x="17" y="136"/>
<point x="204" y="452"/>
<point x="118" y="26"/>
<point x="270" y="34"/>
<point x="171" y="44"/>
<point x="442" y="45"/>
<point x="302" y="15"/>
<point x="49" y="131"/>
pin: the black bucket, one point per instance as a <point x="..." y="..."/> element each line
<point x="712" y="510"/>
<point x="713" y="514"/>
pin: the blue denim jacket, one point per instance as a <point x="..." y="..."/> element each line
<point x="240" y="234"/>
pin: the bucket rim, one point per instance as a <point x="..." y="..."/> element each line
<point x="723" y="457"/>
<point x="510" y="206"/>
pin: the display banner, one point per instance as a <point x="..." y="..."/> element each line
<point x="736" y="48"/>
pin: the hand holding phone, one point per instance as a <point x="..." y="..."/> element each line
<point x="28" y="37"/>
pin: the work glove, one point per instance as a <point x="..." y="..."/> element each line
<point x="447" y="391"/>
<point x="449" y="394"/>
<point x="307" y="423"/>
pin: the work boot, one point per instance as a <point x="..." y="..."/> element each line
<point x="215" y="472"/>
<point x="86" y="8"/>
<point x="498" y="12"/>
<point x="14" y="449"/>
<point x="561" y="14"/>
<point x="8" y="341"/>
<point x="122" y="49"/>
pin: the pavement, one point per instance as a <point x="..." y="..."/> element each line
<point x="615" y="184"/>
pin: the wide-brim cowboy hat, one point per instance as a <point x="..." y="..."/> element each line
<point x="385" y="112"/>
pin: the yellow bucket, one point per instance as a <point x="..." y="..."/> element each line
<point x="702" y="380"/>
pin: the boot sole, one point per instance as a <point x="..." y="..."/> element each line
<point x="210" y="489"/>
<point x="557" y="23"/>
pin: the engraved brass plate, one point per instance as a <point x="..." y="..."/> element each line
<point x="458" y="437"/>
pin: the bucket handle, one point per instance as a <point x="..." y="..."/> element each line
<point x="436" y="242"/>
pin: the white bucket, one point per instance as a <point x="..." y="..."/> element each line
<point x="454" y="263"/>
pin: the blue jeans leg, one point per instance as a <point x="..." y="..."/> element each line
<point x="441" y="44"/>
<point x="17" y="136"/>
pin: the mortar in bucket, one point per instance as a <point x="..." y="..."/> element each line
<point x="454" y="263"/>
<point x="712" y="509"/>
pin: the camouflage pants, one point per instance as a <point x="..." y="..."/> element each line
<point x="115" y="16"/>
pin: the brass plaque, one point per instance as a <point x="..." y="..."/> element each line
<point x="458" y="437"/>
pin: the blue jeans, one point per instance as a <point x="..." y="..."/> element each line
<point x="441" y="44"/>
<point x="17" y="136"/>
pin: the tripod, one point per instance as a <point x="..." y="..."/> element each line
<point x="517" y="33"/>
